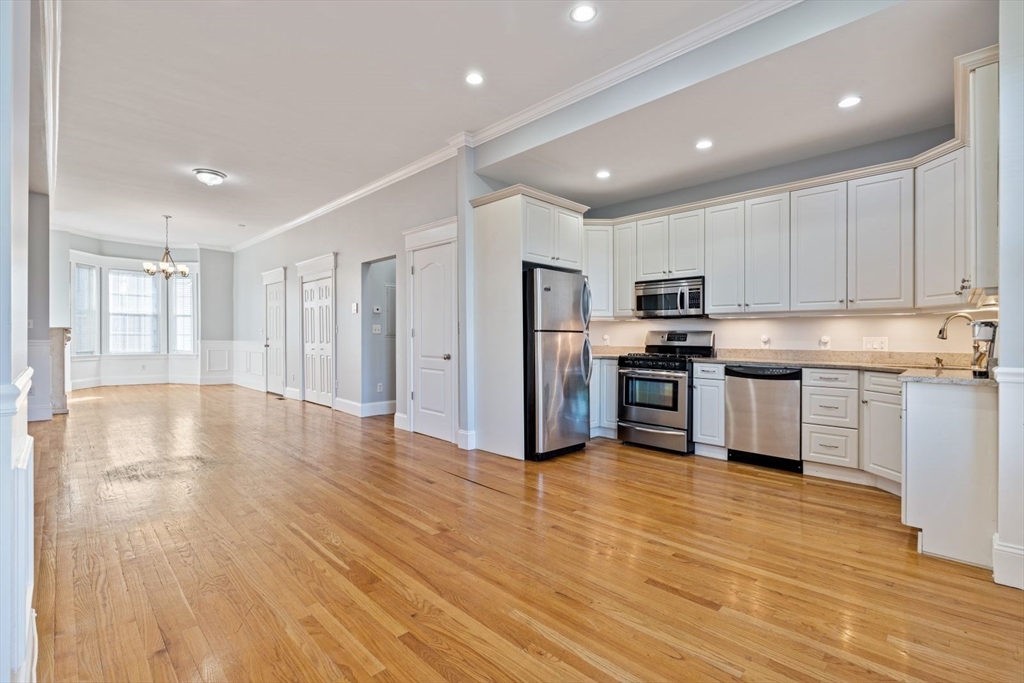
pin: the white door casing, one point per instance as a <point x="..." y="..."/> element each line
<point x="274" y="335"/>
<point x="433" y="405"/>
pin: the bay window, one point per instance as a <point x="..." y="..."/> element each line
<point x="134" y="312"/>
<point x="87" y="315"/>
<point x="182" y="332"/>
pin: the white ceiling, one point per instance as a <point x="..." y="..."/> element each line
<point x="302" y="102"/>
<point x="773" y="111"/>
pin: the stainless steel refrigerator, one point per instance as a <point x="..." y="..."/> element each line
<point x="559" y="361"/>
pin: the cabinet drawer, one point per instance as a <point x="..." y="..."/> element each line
<point x="830" y="445"/>
<point x="833" y="407"/>
<point x="708" y="371"/>
<point x="883" y="382"/>
<point x="816" y="377"/>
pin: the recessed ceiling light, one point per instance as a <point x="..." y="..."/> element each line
<point x="208" y="176"/>
<point x="604" y="174"/>
<point x="581" y="14"/>
<point x="704" y="144"/>
<point x="850" y="101"/>
<point x="474" y="78"/>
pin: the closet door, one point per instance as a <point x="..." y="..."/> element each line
<point x="818" y="237"/>
<point x="318" y="341"/>
<point x="766" y="260"/>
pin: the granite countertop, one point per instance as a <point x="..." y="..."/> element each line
<point x="945" y="376"/>
<point x="615" y="351"/>
<point x="832" y="365"/>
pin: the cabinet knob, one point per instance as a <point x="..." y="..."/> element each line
<point x="864" y="400"/>
<point x="842" y="301"/>
<point x="853" y="301"/>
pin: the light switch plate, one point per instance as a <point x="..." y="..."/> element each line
<point x="376" y="329"/>
<point x="380" y="387"/>
<point x="355" y="308"/>
<point x="876" y="343"/>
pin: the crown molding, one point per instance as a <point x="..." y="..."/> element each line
<point x="463" y="139"/>
<point x="528" y="191"/>
<point x="137" y="242"/>
<point x="702" y="35"/>
<point x="209" y="247"/>
<point x="412" y="169"/>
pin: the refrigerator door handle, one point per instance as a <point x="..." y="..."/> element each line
<point x="587" y="301"/>
<point x="588" y="351"/>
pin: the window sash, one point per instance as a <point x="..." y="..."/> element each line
<point x="133" y="314"/>
<point x="86" y="323"/>
<point x="182" y="327"/>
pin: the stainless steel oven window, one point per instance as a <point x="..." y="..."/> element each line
<point x="650" y="392"/>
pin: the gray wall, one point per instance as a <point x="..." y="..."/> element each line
<point x="39" y="265"/>
<point x="216" y="295"/>
<point x="883" y="152"/>
<point x="60" y="278"/>
<point x="378" y="349"/>
<point x="366" y="230"/>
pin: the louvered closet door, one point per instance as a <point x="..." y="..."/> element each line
<point x="318" y="340"/>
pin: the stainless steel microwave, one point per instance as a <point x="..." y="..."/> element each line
<point x="676" y="298"/>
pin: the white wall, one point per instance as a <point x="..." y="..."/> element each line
<point x="905" y="332"/>
<point x="379" y="348"/>
<point x="39" y="306"/>
<point x="1008" y="550"/>
<point x="366" y="230"/>
<point x="216" y="295"/>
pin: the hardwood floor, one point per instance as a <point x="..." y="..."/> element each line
<point x="217" y="534"/>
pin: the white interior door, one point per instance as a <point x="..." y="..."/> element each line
<point x="318" y="340"/>
<point x="433" y="286"/>
<point x="273" y="345"/>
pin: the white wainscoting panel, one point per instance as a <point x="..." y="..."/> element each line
<point x="247" y="370"/>
<point x="217" y="362"/>
<point x="126" y="370"/>
<point x="39" y="407"/>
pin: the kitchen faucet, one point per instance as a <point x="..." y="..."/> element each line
<point x="942" y="330"/>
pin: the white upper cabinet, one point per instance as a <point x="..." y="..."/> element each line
<point x="568" y="239"/>
<point x="652" y="249"/>
<point x="723" y="259"/>
<point x="686" y="244"/>
<point x="624" y="265"/>
<point x="818" y="279"/>
<point x="552" y="235"/>
<point x="538" y="236"/>
<point x="940" y="234"/>
<point x="766" y="260"/>
<point x="598" y="267"/>
<point x="983" y="149"/>
<point x="880" y="241"/>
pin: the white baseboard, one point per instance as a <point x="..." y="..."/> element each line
<point x="604" y="433"/>
<point x="292" y="393"/>
<point x="39" y="413"/>
<point x="852" y="476"/>
<point x="350" y="407"/>
<point x="709" y="451"/>
<point x="1007" y="563"/>
<point x="208" y="379"/>
<point x="183" y="379"/>
<point x="27" y="672"/>
<point x="378" y="408"/>
<point x="249" y="381"/>
<point x="402" y="421"/>
<point x="466" y="440"/>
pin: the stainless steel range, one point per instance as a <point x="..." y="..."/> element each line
<point x="655" y="387"/>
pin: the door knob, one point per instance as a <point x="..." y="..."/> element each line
<point x="447" y="356"/>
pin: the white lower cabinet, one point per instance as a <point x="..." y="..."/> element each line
<point x="830" y="445"/>
<point x="709" y="411"/>
<point x="604" y="398"/>
<point x="830" y="407"/>
<point x="881" y="428"/>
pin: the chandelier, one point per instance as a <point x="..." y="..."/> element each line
<point x="167" y="266"/>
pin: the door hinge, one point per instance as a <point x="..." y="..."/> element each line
<point x="412" y="332"/>
<point x="412" y="395"/>
<point x="412" y="270"/>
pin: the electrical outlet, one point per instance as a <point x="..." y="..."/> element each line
<point x="30" y="323"/>
<point x="825" y="342"/>
<point x="380" y="387"/>
<point x="355" y="307"/>
<point x="766" y="341"/>
<point x="376" y="329"/>
<point x="876" y="343"/>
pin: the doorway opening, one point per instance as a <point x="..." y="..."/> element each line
<point x="378" y="337"/>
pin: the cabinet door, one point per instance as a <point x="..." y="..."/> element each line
<point x="983" y="150"/>
<point x="538" y="231"/>
<point x="686" y="244"/>
<point x="595" y="395"/>
<point x="881" y="434"/>
<point x="819" y="248"/>
<point x="880" y="241"/>
<point x="766" y="260"/>
<point x="610" y="394"/>
<point x="569" y="236"/>
<point x="940" y="232"/>
<point x="709" y="411"/>
<point x="652" y="249"/>
<point x="624" y="262"/>
<point x="597" y="266"/>
<point x="723" y="259"/>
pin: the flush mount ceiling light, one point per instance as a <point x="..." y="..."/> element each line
<point x="604" y="174"/>
<point x="474" y="78"/>
<point x="167" y="267"/>
<point x="208" y="176"/>
<point x="581" y="14"/>
<point x="704" y="144"/>
<point x="849" y="101"/>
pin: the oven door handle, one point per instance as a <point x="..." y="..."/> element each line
<point x="633" y="425"/>
<point x="652" y="373"/>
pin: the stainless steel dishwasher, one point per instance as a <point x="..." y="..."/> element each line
<point x="762" y="415"/>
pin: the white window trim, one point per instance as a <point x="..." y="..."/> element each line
<point x="171" y="314"/>
<point x="74" y="308"/>
<point x="104" y="264"/>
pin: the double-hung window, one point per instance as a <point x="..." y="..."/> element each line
<point x="182" y="327"/>
<point x="86" y="333"/>
<point x="133" y="312"/>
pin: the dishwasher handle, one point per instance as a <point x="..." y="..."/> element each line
<point x="763" y="372"/>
